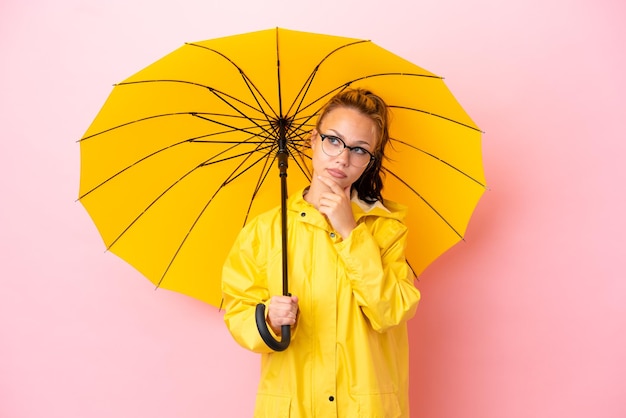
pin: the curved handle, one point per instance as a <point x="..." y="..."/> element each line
<point x="271" y="342"/>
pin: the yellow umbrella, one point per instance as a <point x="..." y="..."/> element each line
<point x="183" y="153"/>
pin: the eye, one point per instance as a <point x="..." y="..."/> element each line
<point x="333" y="140"/>
<point x="359" y="151"/>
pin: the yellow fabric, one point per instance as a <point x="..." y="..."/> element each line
<point x="355" y="296"/>
<point x="182" y="154"/>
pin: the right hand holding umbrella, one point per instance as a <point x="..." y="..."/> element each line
<point x="282" y="313"/>
<point x="282" y="310"/>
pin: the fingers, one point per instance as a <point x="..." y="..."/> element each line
<point x="332" y="185"/>
<point x="337" y="195"/>
<point x="282" y="310"/>
<point x="337" y="207"/>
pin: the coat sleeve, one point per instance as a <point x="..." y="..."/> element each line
<point x="244" y="285"/>
<point x="382" y="282"/>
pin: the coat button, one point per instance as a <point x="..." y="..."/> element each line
<point x="332" y="235"/>
<point x="331" y="398"/>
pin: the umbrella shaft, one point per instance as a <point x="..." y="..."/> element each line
<point x="283" y="157"/>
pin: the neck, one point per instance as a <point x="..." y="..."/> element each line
<point x="310" y="196"/>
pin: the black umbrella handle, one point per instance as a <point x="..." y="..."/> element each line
<point x="265" y="332"/>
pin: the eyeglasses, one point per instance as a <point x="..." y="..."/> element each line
<point x="333" y="146"/>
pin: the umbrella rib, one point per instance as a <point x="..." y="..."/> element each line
<point x="280" y="91"/>
<point x="256" y="93"/>
<point x="433" y="156"/>
<point x="252" y="88"/>
<point x="218" y="93"/>
<point x="264" y="173"/>
<point x="188" y="140"/>
<point x="302" y="127"/>
<point x="229" y="179"/>
<point x="147" y="118"/>
<point x="227" y="98"/>
<point x="347" y="84"/>
<point x="128" y="167"/>
<point x="247" y="154"/>
<point x="300" y="162"/>
<point x="309" y="81"/>
<point x="437" y="116"/>
<point x="191" y="228"/>
<point x="246" y="130"/>
<point x="425" y="202"/>
<point x="221" y="95"/>
<point x="122" y="125"/>
<point x="167" y="189"/>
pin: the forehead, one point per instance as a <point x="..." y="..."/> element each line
<point x="350" y="124"/>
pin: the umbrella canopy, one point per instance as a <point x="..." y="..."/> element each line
<point x="183" y="153"/>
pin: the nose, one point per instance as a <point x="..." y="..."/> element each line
<point x="344" y="157"/>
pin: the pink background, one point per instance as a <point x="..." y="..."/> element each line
<point x="525" y="319"/>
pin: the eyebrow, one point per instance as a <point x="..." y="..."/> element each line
<point x="356" y="143"/>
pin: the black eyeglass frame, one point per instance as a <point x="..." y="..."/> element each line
<point x="324" y="136"/>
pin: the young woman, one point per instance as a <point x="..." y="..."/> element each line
<point x="352" y="288"/>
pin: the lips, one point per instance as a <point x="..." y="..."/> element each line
<point x="336" y="173"/>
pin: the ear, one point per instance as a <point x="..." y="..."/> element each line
<point x="313" y="139"/>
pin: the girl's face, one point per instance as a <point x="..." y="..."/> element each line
<point x="355" y="130"/>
